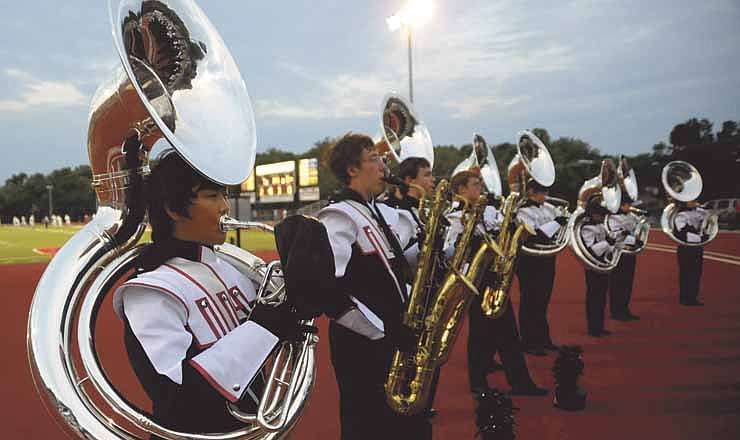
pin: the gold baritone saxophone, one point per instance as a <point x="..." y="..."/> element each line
<point x="504" y="254"/>
<point x="435" y="308"/>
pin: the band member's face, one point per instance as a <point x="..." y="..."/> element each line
<point x="424" y="179"/>
<point x="692" y="204"/>
<point x="472" y="190"/>
<point x="368" y="177"/>
<point x="625" y="207"/>
<point x="537" y="196"/>
<point x="206" y="210"/>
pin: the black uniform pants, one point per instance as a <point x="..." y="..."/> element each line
<point x="361" y="367"/>
<point x="690" y="260"/>
<point x="620" y="285"/>
<point x="536" y="278"/>
<point x="485" y="337"/>
<point x="596" y="287"/>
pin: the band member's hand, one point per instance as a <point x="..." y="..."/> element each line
<point x="561" y="220"/>
<point x="282" y="321"/>
<point x="402" y="337"/>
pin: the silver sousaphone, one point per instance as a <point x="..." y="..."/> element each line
<point x="180" y="88"/>
<point x="533" y="161"/>
<point x="606" y="187"/>
<point x="403" y="133"/>
<point x="482" y="159"/>
<point x="628" y="182"/>
<point x="683" y="183"/>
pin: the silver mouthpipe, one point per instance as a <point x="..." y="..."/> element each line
<point x="227" y="223"/>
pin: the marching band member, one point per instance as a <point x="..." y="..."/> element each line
<point x="416" y="172"/>
<point x="185" y="310"/>
<point x="486" y="336"/>
<point x="367" y="241"/>
<point x="688" y="227"/>
<point x="600" y="245"/>
<point x="536" y="273"/>
<point x="622" y="277"/>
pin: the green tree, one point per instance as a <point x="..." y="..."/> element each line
<point x="729" y="131"/>
<point x="693" y="131"/>
<point x="273" y="155"/>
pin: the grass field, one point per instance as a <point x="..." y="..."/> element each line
<point x="17" y="244"/>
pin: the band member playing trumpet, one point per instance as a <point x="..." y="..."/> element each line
<point x="185" y="310"/>
<point x="622" y="277"/>
<point x="367" y="240"/>
<point x="485" y="335"/>
<point x="537" y="273"/>
<point x="600" y="245"/>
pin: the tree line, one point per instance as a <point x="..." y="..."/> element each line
<point x="575" y="161"/>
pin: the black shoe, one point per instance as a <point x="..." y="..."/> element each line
<point x="600" y="334"/>
<point x="531" y="390"/>
<point x="621" y="317"/>
<point x="536" y="351"/>
<point x="632" y="317"/>
<point x="550" y="346"/>
<point x="692" y="303"/>
<point x="605" y="332"/>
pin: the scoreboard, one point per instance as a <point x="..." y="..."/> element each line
<point x="281" y="182"/>
<point x="276" y="182"/>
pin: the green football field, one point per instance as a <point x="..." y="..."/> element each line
<point x="21" y="245"/>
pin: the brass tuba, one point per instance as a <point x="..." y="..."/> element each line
<point x="628" y="182"/>
<point x="178" y="87"/>
<point x="683" y="183"/>
<point x="606" y="187"/>
<point x="435" y="309"/>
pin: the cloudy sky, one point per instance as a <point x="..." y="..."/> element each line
<point x="616" y="73"/>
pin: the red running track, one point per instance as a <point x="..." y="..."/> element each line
<point x="675" y="374"/>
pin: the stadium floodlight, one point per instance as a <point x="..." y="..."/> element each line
<point x="416" y="13"/>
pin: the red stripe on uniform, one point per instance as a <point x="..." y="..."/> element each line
<point x="217" y="386"/>
<point x="216" y="314"/>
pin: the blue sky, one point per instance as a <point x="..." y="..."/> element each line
<point x="617" y="74"/>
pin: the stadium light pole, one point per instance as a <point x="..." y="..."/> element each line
<point x="49" y="188"/>
<point x="416" y="13"/>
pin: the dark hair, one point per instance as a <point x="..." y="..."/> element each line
<point x="536" y="186"/>
<point x="410" y="167"/>
<point x="172" y="184"/>
<point x="347" y="152"/>
<point x="461" y="179"/>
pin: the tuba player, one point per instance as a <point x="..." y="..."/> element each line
<point x="185" y="310"/>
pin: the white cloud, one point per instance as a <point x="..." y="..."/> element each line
<point x="339" y="97"/>
<point x="470" y="107"/>
<point x="36" y="93"/>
